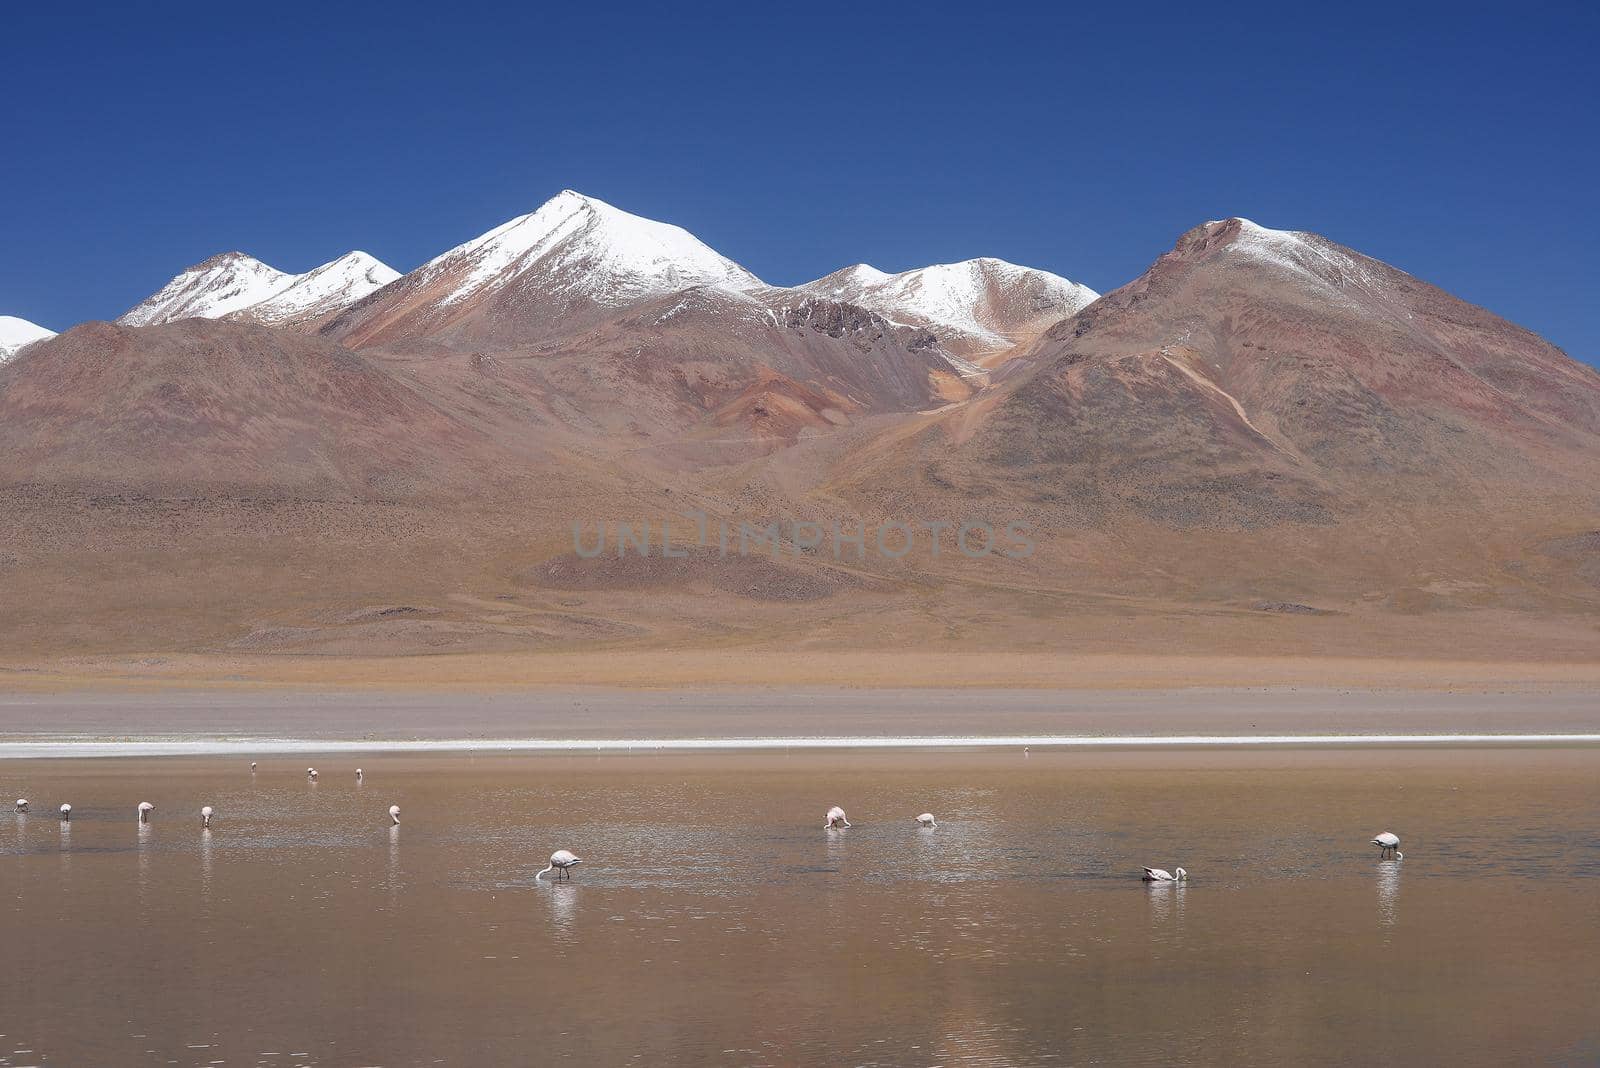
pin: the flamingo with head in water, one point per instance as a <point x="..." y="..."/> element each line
<point x="1162" y="875"/>
<point x="1388" y="844"/>
<point x="926" y="820"/>
<point x="22" y="804"/>
<point x="66" y="813"/>
<point x="562" y="861"/>
<point x="835" y="818"/>
<point x="394" y="815"/>
<point x="205" y="816"/>
<point x="145" y="808"/>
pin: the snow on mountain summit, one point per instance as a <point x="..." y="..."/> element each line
<point x="986" y="303"/>
<point x="16" y="333"/>
<point x="225" y="283"/>
<point x="235" y="286"/>
<point x="572" y="262"/>
<point x="1323" y="269"/>
<point x="325" y="289"/>
<point x="583" y="246"/>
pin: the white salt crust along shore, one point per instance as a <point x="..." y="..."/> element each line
<point x="72" y="747"/>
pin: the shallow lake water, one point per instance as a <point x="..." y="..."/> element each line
<point x="715" y="921"/>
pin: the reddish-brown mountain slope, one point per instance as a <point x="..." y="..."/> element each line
<point x="1254" y="376"/>
<point x="202" y="406"/>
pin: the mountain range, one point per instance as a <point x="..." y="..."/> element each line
<point x="1266" y="440"/>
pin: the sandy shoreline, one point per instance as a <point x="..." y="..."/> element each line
<point x="697" y="669"/>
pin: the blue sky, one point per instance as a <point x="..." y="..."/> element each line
<point x="1460" y="146"/>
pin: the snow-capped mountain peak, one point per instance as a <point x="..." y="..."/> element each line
<point x="236" y="286"/>
<point x="16" y="333"/>
<point x="336" y="284"/>
<point x="585" y="246"/>
<point x="1313" y="261"/>
<point x="848" y="278"/>
<point x="210" y="290"/>
<point x="983" y="303"/>
<point x="1287" y="248"/>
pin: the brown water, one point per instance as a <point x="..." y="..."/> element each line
<point x="715" y="922"/>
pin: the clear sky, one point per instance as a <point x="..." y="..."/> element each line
<point x="1461" y="146"/>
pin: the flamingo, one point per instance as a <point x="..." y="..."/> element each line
<point x="394" y="815"/>
<point x="205" y="816"/>
<point x="1162" y="875"/>
<point x="835" y="818"/>
<point x="145" y="808"/>
<point x="22" y="804"/>
<point x="562" y="861"/>
<point x="358" y="776"/>
<point x="66" y="813"/>
<point x="1388" y="844"/>
<point x="252" y="767"/>
<point x="311" y="774"/>
<point x="926" y="820"/>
